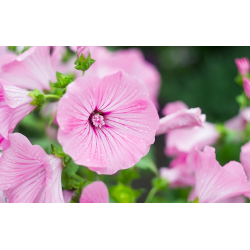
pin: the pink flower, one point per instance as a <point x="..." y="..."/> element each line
<point x="83" y="50"/>
<point x="30" y="70"/>
<point x="28" y="174"/>
<point x="130" y="61"/>
<point x="217" y="184"/>
<point x="180" y="173"/>
<point x="4" y="50"/>
<point x="246" y="86"/>
<point x="67" y="195"/>
<point x="173" y="107"/>
<point x="15" y="105"/>
<point x="181" y="119"/>
<point x="245" y="158"/>
<point x="50" y="110"/>
<point x="65" y="68"/>
<point x="96" y="192"/>
<point x="243" y="65"/>
<point x="2" y="197"/>
<point x="239" y="122"/>
<point x="124" y="133"/>
<point x="184" y="140"/>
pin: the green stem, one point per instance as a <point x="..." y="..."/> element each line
<point x="77" y="177"/>
<point x="151" y="194"/>
<point x="52" y="96"/>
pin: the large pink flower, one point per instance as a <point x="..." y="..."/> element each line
<point x="30" y="70"/>
<point x="185" y="118"/>
<point x="130" y="61"/>
<point x="14" y="106"/>
<point x="215" y="183"/>
<point x="28" y="174"/>
<point x="96" y="192"/>
<point x="107" y="124"/>
<point x="184" y="140"/>
<point x="180" y="173"/>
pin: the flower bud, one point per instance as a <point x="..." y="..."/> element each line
<point x="83" y="50"/>
<point x="243" y="65"/>
<point x="84" y="60"/>
<point x="246" y="86"/>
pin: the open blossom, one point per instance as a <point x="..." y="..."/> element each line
<point x="181" y="119"/>
<point x="130" y="61"/>
<point x="243" y="65"/>
<point x="106" y="124"/>
<point x="15" y="105"/>
<point x="95" y="192"/>
<point x="215" y="183"/>
<point x="180" y="173"/>
<point x="83" y="50"/>
<point x="246" y="86"/>
<point x="28" y="174"/>
<point x="185" y="139"/>
<point x="30" y="70"/>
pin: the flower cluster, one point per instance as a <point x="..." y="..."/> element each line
<point x="97" y="111"/>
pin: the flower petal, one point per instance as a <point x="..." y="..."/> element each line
<point x="173" y="107"/>
<point x="214" y="183"/>
<point x="67" y="195"/>
<point x="184" y="140"/>
<point x="14" y="106"/>
<point x="30" y="70"/>
<point x="96" y="192"/>
<point x="27" y="174"/>
<point x="130" y="61"/>
<point x="180" y="119"/>
<point x="245" y="158"/>
<point x="53" y="189"/>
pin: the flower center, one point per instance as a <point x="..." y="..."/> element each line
<point x="98" y="120"/>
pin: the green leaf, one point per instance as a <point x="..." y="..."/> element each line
<point x="62" y="80"/>
<point x="124" y="194"/>
<point x="127" y="175"/>
<point x="159" y="183"/>
<point x="239" y="80"/>
<point x="71" y="168"/>
<point x="242" y="100"/>
<point x="146" y="163"/>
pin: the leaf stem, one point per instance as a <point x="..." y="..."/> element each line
<point x="77" y="177"/>
<point x="53" y="96"/>
<point x="151" y="194"/>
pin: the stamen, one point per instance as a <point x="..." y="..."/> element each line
<point x="98" y="120"/>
